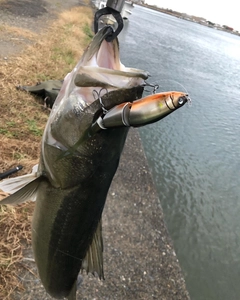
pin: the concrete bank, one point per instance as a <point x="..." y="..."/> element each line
<point x="140" y="261"/>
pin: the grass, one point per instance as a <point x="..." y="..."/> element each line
<point x="88" y="32"/>
<point x="18" y="32"/>
<point x="34" y="128"/>
<point x="15" y="229"/>
<point x="23" y="119"/>
<point x="51" y="57"/>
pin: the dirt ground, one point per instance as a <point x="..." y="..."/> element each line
<point x="31" y="15"/>
<point x="139" y="258"/>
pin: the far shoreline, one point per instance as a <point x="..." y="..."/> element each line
<point x="194" y="19"/>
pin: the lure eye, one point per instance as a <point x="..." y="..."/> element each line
<point x="181" y="100"/>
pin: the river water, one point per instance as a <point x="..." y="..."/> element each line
<point x="194" y="154"/>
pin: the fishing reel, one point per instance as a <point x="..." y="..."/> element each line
<point x="114" y="8"/>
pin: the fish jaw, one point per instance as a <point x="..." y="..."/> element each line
<point x="105" y="66"/>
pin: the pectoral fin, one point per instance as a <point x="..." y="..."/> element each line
<point x="26" y="193"/>
<point x="93" y="261"/>
<point x="12" y="185"/>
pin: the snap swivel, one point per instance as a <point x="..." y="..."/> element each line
<point x="113" y="8"/>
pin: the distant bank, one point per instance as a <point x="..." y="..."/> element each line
<point x="194" y="19"/>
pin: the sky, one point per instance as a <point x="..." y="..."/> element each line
<point x="221" y="12"/>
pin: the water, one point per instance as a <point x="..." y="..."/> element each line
<point x="194" y="153"/>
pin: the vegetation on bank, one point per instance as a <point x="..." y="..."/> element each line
<point x="51" y="56"/>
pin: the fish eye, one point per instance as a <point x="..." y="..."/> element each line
<point x="181" y="100"/>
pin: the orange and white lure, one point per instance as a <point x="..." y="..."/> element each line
<point x="147" y="110"/>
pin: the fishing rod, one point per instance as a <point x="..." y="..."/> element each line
<point x="10" y="172"/>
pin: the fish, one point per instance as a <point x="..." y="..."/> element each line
<point x="70" y="190"/>
<point x="80" y="152"/>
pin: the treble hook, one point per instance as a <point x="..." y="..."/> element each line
<point x="154" y="86"/>
<point x="97" y="96"/>
<point x="112" y="8"/>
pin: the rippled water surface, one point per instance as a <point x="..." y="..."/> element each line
<point x="194" y="154"/>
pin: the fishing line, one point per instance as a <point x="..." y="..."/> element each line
<point x="31" y="271"/>
<point x="181" y="85"/>
<point x="27" y="280"/>
<point x="67" y="254"/>
<point x="22" y="279"/>
<point x="189" y="101"/>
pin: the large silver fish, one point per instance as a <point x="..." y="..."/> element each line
<point x="80" y="152"/>
<point x="70" y="190"/>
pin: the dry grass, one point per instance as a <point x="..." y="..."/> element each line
<point x="22" y="119"/>
<point x="18" y="32"/>
<point x="54" y="54"/>
<point x="15" y="232"/>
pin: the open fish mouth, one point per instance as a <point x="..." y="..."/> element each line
<point x="100" y="67"/>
